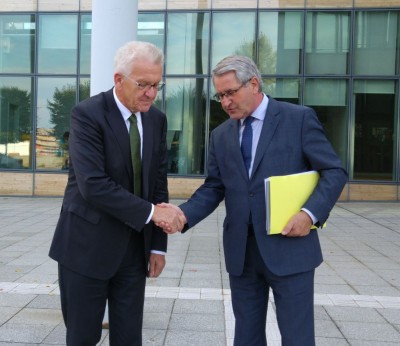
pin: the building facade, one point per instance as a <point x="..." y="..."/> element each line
<point x="341" y="58"/>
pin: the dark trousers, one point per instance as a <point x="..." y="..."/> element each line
<point x="294" y="300"/>
<point x="83" y="301"/>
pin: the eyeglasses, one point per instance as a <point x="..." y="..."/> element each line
<point x="147" y="87"/>
<point x="229" y="93"/>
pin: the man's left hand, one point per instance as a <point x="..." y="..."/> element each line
<point x="156" y="265"/>
<point x="298" y="226"/>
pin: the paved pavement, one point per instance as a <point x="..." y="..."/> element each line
<point x="357" y="291"/>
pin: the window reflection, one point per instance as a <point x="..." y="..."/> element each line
<point x="84" y="89"/>
<point x="185" y="109"/>
<point x="17" y="42"/>
<point x="374" y="109"/>
<point x="376" y="37"/>
<point x="15" y="122"/>
<point x="85" y="44"/>
<point x="328" y="97"/>
<point x="327" y="42"/>
<point x="151" y="28"/>
<point x="56" y="98"/>
<point x="58" y="44"/>
<point x="187" y="43"/>
<point x="283" y="89"/>
<point x="233" y="33"/>
<point x="280" y="42"/>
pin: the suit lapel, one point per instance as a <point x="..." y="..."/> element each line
<point x="234" y="148"/>
<point x="119" y="130"/>
<point x="271" y="121"/>
<point x="148" y="133"/>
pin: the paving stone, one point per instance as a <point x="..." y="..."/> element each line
<point x="185" y="338"/>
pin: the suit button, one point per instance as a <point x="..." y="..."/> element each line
<point x="251" y="194"/>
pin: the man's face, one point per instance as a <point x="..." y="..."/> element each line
<point x="137" y="91"/>
<point x="237" y="99"/>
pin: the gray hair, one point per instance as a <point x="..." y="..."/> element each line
<point x="132" y="51"/>
<point x="244" y="68"/>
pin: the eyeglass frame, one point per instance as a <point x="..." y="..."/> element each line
<point x="146" y="87"/>
<point x="229" y="93"/>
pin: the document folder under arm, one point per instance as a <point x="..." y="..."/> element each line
<point x="285" y="196"/>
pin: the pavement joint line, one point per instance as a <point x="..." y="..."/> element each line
<point x="367" y="301"/>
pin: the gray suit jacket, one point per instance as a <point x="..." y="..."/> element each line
<point x="292" y="140"/>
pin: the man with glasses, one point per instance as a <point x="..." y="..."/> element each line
<point x="264" y="138"/>
<point x="106" y="240"/>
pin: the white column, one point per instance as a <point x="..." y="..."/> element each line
<point x="114" y="22"/>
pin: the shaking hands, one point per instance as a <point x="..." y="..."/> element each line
<point x="169" y="217"/>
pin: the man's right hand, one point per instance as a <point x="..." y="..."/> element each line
<point x="169" y="217"/>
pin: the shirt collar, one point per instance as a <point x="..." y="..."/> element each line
<point x="259" y="112"/>
<point x="126" y="113"/>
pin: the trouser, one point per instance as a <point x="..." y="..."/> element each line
<point x="294" y="300"/>
<point x="83" y="301"/>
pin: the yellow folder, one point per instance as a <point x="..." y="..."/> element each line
<point x="285" y="195"/>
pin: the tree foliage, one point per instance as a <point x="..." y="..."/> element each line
<point x="15" y="114"/>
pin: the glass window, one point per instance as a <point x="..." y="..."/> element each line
<point x="280" y="42"/>
<point x="375" y="42"/>
<point x="187" y="43"/>
<point x="186" y="112"/>
<point x="233" y="33"/>
<point x="374" y="111"/>
<point x="58" y="43"/>
<point x="151" y="28"/>
<point x="328" y="97"/>
<point x="327" y="42"/>
<point x="15" y="122"/>
<point x="56" y="97"/>
<point x="84" y="89"/>
<point x="283" y="89"/>
<point x="17" y="37"/>
<point x="86" y="36"/>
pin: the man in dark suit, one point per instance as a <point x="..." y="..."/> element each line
<point x="106" y="241"/>
<point x="280" y="139"/>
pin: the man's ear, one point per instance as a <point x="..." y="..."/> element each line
<point x="118" y="79"/>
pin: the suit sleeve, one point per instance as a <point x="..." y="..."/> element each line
<point x="323" y="159"/>
<point x="160" y="238"/>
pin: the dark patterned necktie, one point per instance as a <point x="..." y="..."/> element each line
<point x="247" y="139"/>
<point x="135" y="155"/>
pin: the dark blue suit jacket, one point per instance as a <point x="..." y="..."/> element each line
<point x="292" y="141"/>
<point x="99" y="210"/>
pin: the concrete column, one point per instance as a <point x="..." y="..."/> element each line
<point x="114" y="22"/>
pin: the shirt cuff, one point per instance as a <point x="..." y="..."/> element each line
<point x="158" y="252"/>
<point x="310" y="214"/>
<point x="151" y="214"/>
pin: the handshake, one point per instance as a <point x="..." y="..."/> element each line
<point x="169" y="217"/>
